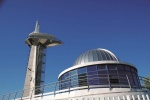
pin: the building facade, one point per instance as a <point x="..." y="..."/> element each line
<point x="97" y="75"/>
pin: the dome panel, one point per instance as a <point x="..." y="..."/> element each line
<point x="95" y="55"/>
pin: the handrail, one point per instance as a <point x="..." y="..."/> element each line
<point x="54" y="88"/>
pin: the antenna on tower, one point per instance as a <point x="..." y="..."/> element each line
<point x="37" y="27"/>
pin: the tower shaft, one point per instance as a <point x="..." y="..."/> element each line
<point x="38" y="42"/>
<point x="35" y="71"/>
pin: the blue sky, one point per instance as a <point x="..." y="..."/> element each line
<point x="121" y="26"/>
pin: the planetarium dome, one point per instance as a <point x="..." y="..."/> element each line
<point x="95" y="55"/>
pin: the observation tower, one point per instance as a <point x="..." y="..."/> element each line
<point x="38" y="42"/>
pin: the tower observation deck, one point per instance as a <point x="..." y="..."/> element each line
<point x="38" y="42"/>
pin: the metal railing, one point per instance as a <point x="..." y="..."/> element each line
<point x="55" y="88"/>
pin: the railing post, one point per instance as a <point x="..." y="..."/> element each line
<point x="15" y="95"/>
<point x="108" y="78"/>
<point x="3" y="97"/>
<point x="69" y="85"/>
<point x="109" y="82"/>
<point x="43" y="91"/>
<point x="55" y="88"/>
<point x="9" y="96"/>
<point x="88" y="86"/>
<point x="128" y="82"/>
<point x="139" y="81"/>
<point x="22" y="94"/>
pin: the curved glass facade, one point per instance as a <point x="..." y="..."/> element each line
<point x="102" y="75"/>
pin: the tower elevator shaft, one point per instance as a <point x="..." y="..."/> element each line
<point x="35" y="71"/>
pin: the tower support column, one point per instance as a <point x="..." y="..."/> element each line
<point x="38" y="42"/>
<point x="35" y="71"/>
<point x="30" y="74"/>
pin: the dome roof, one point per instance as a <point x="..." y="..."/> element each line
<point x="95" y="55"/>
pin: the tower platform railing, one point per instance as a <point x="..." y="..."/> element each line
<point x="55" y="88"/>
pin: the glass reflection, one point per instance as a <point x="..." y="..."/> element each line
<point x="114" y="75"/>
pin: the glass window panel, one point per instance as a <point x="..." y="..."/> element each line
<point x="73" y="72"/>
<point x="112" y="67"/>
<point x="92" y="73"/>
<point x="92" y="76"/>
<point x="65" y="84"/>
<point x="82" y="79"/>
<point x="123" y="81"/>
<point x="129" y="76"/>
<point x="122" y="75"/>
<point x="74" y="83"/>
<point x="103" y="81"/>
<point x="131" y="81"/>
<point x="66" y="75"/>
<point x="63" y="77"/>
<point x="82" y="70"/>
<point x="112" y="72"/>
<point x="135" y="70"/>
<point x="132" y="69"/>
<point x="62" y="81"/>
<point x="74" y="77"/>
<point x="92" y="68"/>
<point x="121" y="72"/>
<point x="101" y="67"/>
<point x="103" y="75"/>
<point x="66" y="80"/>
<point x="120" y="67"/>
<point x="127" y="68"/>
<point x="82" y="75"/>
<point x="134" y="74"/>
<point x="128" y="73"/>
<point x="103" y="78"/>
<point x="93" y="82"/>
<point x="102" y="72"/>
<point x="113" y="76"/>
<point x="83" y="82"/>
<point x="60" y="78"/>
<point x="114" y="81"/>
<point x="135" y="80"/>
